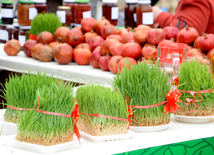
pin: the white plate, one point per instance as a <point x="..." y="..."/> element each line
<point x="193" y="119"/>
<point x="12" y="142"/>
<point x="149" y="129"/>
<point x="108" y="137"/>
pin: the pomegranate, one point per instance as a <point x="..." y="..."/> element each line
<point x="187" y="35"/>
<point x="44" y="38"/>
<point x="132" y="50"/>
<point x="149" y="52"/>
<point x="205" y="61"/>
<point x="155" y="36"/>
<point x="123" y="32"/>
<point x="35" y="48"/>
<point x="82" y="56"/>
<point x="116" y="49"/>
<point x="206" y="43"/>
<point x="103" y="62"/>
<point x="61" y="33"/>
<point x="78" y="28"/>
<point x="113" y="63"/>
<point x="87" y="24"/>
<point x="196" y="42"/>
<point x="53" y="45"/>
<point x="105" y="46"/>
<point x="44" y="53"/>
<point x="108" y="30"/>
<point x="148" y="61"/>
<point x="100" y="24"/>
<point x="94" y="59"/>
<point x="12" y="47"/>
<point x="95" y="42"/>
<point x="209" y="53"/>
<point x="75" y="37"/>
<point x="128" y="38"/>
<point x="28" y="46"/>
<point x="166" y="41"/>
<point x="117" y="37"/>
<point x="63" y="54"/>
<point x="171" y="32"/>
<point x="83" y="45"/>
<point x="141" y="33"/>
<point x="126" y="62"/>
<point x="89" y="36"/>
<point x="97" y="49"/>
<point x="194" y="51"/>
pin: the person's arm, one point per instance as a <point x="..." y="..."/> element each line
<point x="196" y="14"/>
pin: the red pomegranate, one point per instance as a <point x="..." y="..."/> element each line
<point x="83" y="45"/>
<point x="61" y="33"/>
<point x="53" y="45"/>
<point x="149" y="52"/>
<point x="128" y="38"/>
<point x="44" y="38"/>
<point x="97" y="49"/>
<point x="94" y="59"/>
<point x="187" y="35"/>
<point x="116" y="49"/>
<point x="63" y="54"/>
<point x="82" y="56"/>
<point x="132" y="50"/>
<point x="89" y="36"/>
<point x="108" y="30"/>
<point x="171" y="32"/>
<point x="87" y="24"/>
<point x="35" y="48"/>
<point x="95" y="42"/>
<point x="117" y="37"/>
<point x="148" y="61"/>
<point x="103" y="62"/>
<point x="105" y="46"/>
<point x="126" y="62"/>
<point x="206" y="43"/>
<point x="113" y="63"/>
<point x="44" y="53"/>
<point x="155" y="36"/>
<point x="209" y="53"/>
<point x="196" y="42"/>
<point x="141" y="33"/>
<point x="75" y="37"/>
<point x="28" y="46"/>
<point x="12" y="47"/>
<point x="194" y="51"/>
<point x="100" y="24"/>
<point x="123" y="32"/>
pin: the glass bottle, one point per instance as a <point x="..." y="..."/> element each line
<point x="7" y="12"/>
<point x="110" y="11"/>
<point x="130" y="13"/>
<point x="71" y="4"/>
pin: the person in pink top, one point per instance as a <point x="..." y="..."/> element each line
<point x="195" y="13"/>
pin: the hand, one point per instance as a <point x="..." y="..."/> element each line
<point x="156" y="11"/>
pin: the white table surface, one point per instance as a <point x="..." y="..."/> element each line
<point x="177" y="132"/>
<point x="70" y="72"/>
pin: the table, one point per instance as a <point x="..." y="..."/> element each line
<point x="70" y="72"/>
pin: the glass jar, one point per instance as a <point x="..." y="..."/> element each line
<point x="23" y="34"/>
<point x="40" y="6"/>
<point x="82" y="10"/>
<point x="26" y="12"/>
<point x="64" y="14"/>
<point x="144" y="13"/>
<point x="71" y="4"/>
<point x="130" y="13"/>
<point x="10" y="31"/>
<point x="4" y="33"/>
<point x="7" y="12"/>
<point x="110" y="11"/>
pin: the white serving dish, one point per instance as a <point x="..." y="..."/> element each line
<point x="108" y="137"/>
<point x="12" y="142"/>
<point x="149" y="129"/>
<point x="193" y="119"/>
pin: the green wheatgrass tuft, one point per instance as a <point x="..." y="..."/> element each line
<point x="45" y="22"/>
<point x="196" y="77"/>
<point x="44" y="127"/>
<point x="20" y="92"/>
<point x="144" y="85"/>
<point x="94" y="99"/>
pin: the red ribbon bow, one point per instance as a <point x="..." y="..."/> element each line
<point x="32" y="36"/>
<point x="175" y="82"/>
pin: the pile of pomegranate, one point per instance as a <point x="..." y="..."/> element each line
<point x="101" y="45"/>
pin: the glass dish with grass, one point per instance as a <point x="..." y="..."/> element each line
<point x="47" y="129"/>
<point x="196" y="77"/>
<point x="144" y="85"/>
<point x="97" y="99"/>
<point x="20" y="92"/>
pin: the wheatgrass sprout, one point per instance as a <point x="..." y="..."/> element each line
<point x="144" y="85"/>
<point x="46" y="129"/>
<point x="97" y="99"/>
<point x="196" y="77"/>
<point x="20" y="92"/>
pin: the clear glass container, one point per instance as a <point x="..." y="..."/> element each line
<point x="71" y="4"/>
<point x="110" y="11"/>
<point x="130" y="13"/>
<point x="40" y="5"/>
<point x="23" y="34"/>
<point x="65" y="15"/>
<point x="4" y="33"/>
<point x="7" y="13"/>
<point x="144" y="13"/>
<point x="15" y="29"/>
<point x="10" y="31"/>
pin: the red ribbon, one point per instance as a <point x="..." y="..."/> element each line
<point x="172" y="98"/>
<point x="32" y="36"/>
<point x="175" y="82"/>
<point x="74" y="115"/>
<point x="15" y="108"/>
<point x="193" y="99"/>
